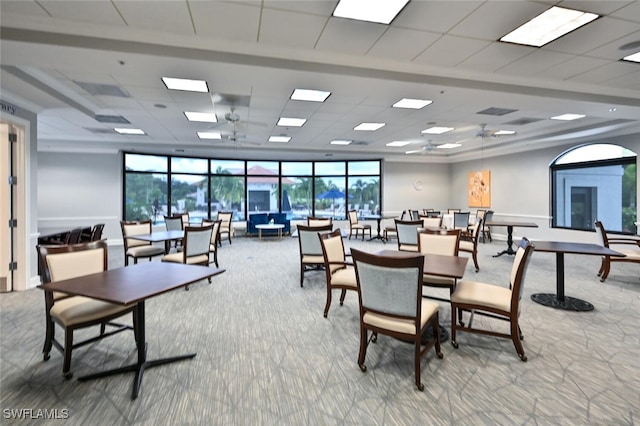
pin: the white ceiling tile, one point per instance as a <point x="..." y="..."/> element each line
<point x="450" y="50"/>
<point x="412" y="42"/>
<point x="100" y="12"/>
<point x="434" y="16"/>
<point x="165" y="16"/>
<point x="613" y="51"/>
<point x="496" y="55"/>
<point x="535" y="63"/>
<point x="22" y="7"/>
<point x="630" y="81"/>
<point x="349" y="36"/>
<point x="630" y="12"/>
<point x="234" y="21"/>
<point x="606" y="72"/>
<point x="573" y="67"/>
<point x="594" y="34"/>
<point x="598" y="7"/>
<point x="290" y="28"/>
<point x="315" y="7"/>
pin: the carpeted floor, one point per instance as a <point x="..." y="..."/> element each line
<point x="266" y="355"/>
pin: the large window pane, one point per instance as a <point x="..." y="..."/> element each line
<point x="330" y="168"/>
<point x="364" y="194"/>
<point x="227" y="194"/>
<point x="189" y="195"/>
<point x="189" y="165"/>
<point x="262" y="168"/>
<point x="297" y="198"/>
<point x="297" y="168"/>
<point x="330" y="197"/>
<point x="146" y="163"/>
<point x="145" y="197"/>
<point x="227" y="167"/>
<point x="364" y="168"/>
<point x="262" y="194"/>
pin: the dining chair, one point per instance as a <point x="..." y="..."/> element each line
<point x="340" y="274"/>
<point x="185" y="219"/>
<point x="356" y="226"/>
<point x="444" y="242"/>
<point x="486" y="229"/>
<point x="452" y="211"/>
<point x="311" y="257"/>
<point x="414" y="214"/>
<point x="434" y="213"/>
<point x="72" y="313"/>
<point x="74" y="236"/>
<point x="407" y="231"/>
<point x="195" y="247"/>
<point x="319" y="221"/>
<point x="431" y="222"/>
<point x="461" y="220"/>
<point x="391" y="303"/>
<point x="225" y="226"/>
<point x="390" y="231"/>
<point x="213" y="245"/>
<point x="469" y="242"/>
<point x="96" y="232"/>
<point x="175" y="223"/>
<point x="137" y="249"/>
<point x="494" y="301"/>
<point x="629" y="246"/>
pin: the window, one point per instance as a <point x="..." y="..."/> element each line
<point x="145" y="187"/>
<point x="594" y="182"/>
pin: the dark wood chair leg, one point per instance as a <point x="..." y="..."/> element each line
<point x="68" y="348"/>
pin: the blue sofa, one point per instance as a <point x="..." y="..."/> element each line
<point x="263" y="218"/>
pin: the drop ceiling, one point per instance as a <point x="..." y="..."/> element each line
<point x="71" y="61"/>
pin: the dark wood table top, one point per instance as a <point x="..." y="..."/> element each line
<point x="134" y="283"/>
<point x="574" y="248"/>
<point x="511" y="223"/>
<point x="435" y="264"/>
<point x="158" y="236"/>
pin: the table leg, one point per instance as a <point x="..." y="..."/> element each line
<point x="559" y="300"/>
<point x="509" y="249"/>
<point x="378" y="235"/>
<point x="142" y="364"/>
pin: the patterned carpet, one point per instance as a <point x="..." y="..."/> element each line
<point x="266" y="355"/>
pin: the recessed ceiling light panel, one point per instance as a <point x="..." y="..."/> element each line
<point x="126" y="131"/>
<point x="632" y="58"/>
<point x="291" y="122"/>
<point x="209" y="135"/>
<point x="370" y="127"/>
<point x="398" y="143"/>
<point x="412" y="103"/>
<point x="379" y="11"/>
<point x="185" y="84"/>
<point x="309" y="95"/>
<point x="279" y="139"/>
<point x="568" y="117"/>
<point x="449" y="145"/>
<point x="505" y="132"/>
<point x="548" y="26"/>
<point x="203" y="117"/>
<point x="437" y="130"/>
<point x="340" y="142"/>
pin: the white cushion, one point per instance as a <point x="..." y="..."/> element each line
<point x="144" y="251"/>
<point x="308" y="258"/>
<point x="475" y="293"/>
<point x="405" y="247"/>
<point x="346" y="277"/>
<point x="429" y="308"/>
<point x="78" y="309"/>
<point x="465" y="245"/>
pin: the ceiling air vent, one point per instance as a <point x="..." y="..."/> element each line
<point x="99" y="130"/>
<point x="99" y="89"/>
<point x="496" y="111"/>
<point x="112" y="119"/>
<point x="522" y="121"/>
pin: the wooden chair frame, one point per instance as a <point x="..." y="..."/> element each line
<point x="139" y="227"/>
<point x="626" y="245"/>
<point x="311" y="256"/>
<point x="335" y="262"/>
<point x="354" y="224"/>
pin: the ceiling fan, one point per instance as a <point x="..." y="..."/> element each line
<point x="424" y="149"/>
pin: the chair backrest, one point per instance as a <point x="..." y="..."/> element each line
<point x="433" y="213"/>
<point x="185" y="219"/>
<point x="353" y="217"/>
<point x="452" y="211"/>
<point x="197" y="240"/>
<point x="62" y="262"/>
<point x="439" y="241"/>
<point x="130" y="228"/>
<point x="308" y="240"/>
<point x="601" y="233"/>
<point x="226" y="218"/>
<point x="407" y="231"/>
<point x="73" y="237"/>
<point x="480" y="214"/>
<point x="216" y="230"/>
<point x="319" y="221"/>
<point x="414" y="215"/>
<point x="488" y="216"/>
<point x="475" y="230"/>
<point x="174" y="223"/>
<point x="431" y="222"/>
<point x="461" y="220"/>
<point x="519" y="270"/>
<point x="389" y="285"/>
<point x="332" y="250"/>
<point x="96" y="232"/>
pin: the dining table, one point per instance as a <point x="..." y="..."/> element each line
<point x="378" y="218"/>
<point x="509" y="225"/>
<point x="135" y="284"/>
<point x="161" y="236"/>
<point x="560" y="248"/>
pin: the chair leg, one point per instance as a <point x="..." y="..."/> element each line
<point x="103" y="327"/>
<point x="342" y="296"/>
<point x="436" y="333"/>
<point x="301" y="274"/>
<point x="328" y="304"/>
<point x="416" y="354"/>
<point x="454" y="326"/>
<point x="68" y="347"/>
<point x="364" y="341"/>
<point x="475" y="260"/>
<point x="515" y="337"/>
<point x="606" y="264"/>
<point x="48" y="340"/>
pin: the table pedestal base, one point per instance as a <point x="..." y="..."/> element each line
<point x="568" y="304"/>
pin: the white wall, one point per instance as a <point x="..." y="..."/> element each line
<point x="399" y="190"/>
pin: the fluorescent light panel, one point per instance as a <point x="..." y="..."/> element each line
<point x="291" y="122"/>
<point x="437" y="130"/>
<point x="412" y="103"/>
<point x="379" y="11"/>
<point x="398" y="143"/>
<point x="340" y="142"/>
<point x="449" y="145"/>
<point x="632" y="58"/>
<point x="203" y="117"/>
<point x="280" y="139"/>
<point x="369" y="126"/>
<point x="185" y="84"/>
<point x="548" y="26"/>
<point x="125" y="131"/>
<point x="309" y="95"/>
<point x="568" y="117"/>
<point x="209" y="135"/>
<point x="505" y="132"/>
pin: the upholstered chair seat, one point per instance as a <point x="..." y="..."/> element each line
<point x="402" y="325"/>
